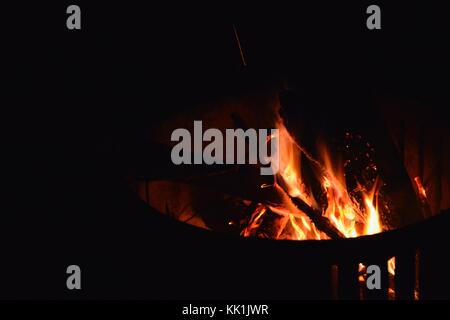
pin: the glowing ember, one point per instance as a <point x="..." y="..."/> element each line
<point x="420" y="189"/>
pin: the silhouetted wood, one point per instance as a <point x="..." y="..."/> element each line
<point x="348" y="281"/>
<point x="405" y="274"/>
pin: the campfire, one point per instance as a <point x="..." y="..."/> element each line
<point x="329" y="196"/>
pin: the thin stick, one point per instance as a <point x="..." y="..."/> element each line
<point x="239" y="45"/>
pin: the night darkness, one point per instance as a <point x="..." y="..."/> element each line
<point x="73" y="102"/>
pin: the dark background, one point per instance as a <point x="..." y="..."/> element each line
<point x="69" y="97"/>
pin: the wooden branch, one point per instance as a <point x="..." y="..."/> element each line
<point x="322" y="223"/>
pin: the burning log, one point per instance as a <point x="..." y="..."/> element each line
<point x="322" y="223"/>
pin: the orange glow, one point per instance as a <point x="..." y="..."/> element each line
<point x="391" y="265"/>
<point x="421" y="190"/>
